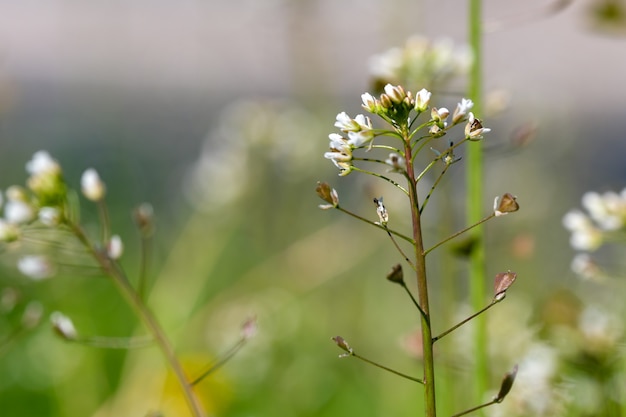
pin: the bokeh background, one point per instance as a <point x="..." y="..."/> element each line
<point x="218" y="113"/>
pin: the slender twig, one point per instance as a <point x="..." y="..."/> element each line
<point x="145" y="314"/>
<point x="393" y="371"/>
<point x="460" y="232"/>
<point x="146" y="246"/>
<point x="220" y="362"/>
<point x="376" y="174"/>
<point x="103" y="212"/>
<point x="461" y="323"/>
<point x="478" y="407"/>
<point x="115" y="342"/>
<point x="406" y="258"/>
<point x="413" y="299"/>
<point x="427" y="199"/>
<point x="356" y="216"/>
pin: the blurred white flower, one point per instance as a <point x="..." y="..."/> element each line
<point x="18" y="212"/>
<point x="42" y="164"/>
<point x="607" y="210"/>
<point x="50" y="216"/>
<point x="585" y="236"/>
<point x="396" y="162"/>
<point x="36" y="267"/>
<point x="92" y="186"/>
<point x="63" y="326"/>
<point x="462" y="108"/>
<point x="115" y="247"/>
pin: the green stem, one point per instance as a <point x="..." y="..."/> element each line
<point x="363" y="219"/>
<point x="422" y="287"/>
<point x="461" y="323"/>
<point x="474" y="199"/>
<point x="143" y="312"/>
<point x="386" y="369"/>
<point x="460" y="232"/>
<point x="213" y="367"/>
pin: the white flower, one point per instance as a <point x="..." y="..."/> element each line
<point x="36" y="267"/>
<point x="607" y="210"/>
<point x="92" y="186"/>
<point x="369" y="102"/>
<point x="18" y="212"/>
<point x="474" y="129"/>
<point x="63" y="326"/>
<point x="345" y="122"/>
<point x="585" y="236"/>
<point x="386" y="65"/>
<point x="397" y="163"/>
<point x="583" y="265"/>
<point x="461" y="110"/>
<point x="50" y="216"/>
<point x="422" y="99"/>
<point x="115" y="247"/>
<point x="42" y="164"/>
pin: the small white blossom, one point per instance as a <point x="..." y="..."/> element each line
<point x="474" y="129"/>
<point x="115" y="247"/>
<point x="585" y="236"/>
<point x="92" y="186"/>
<point x="63" y="326"/>
<point x="369" y="102"/>
<point x="584" y="265"/>
<point x="461" y="110"/>
<point x="42" y="164"/>
<point x="607" y="210"/>
<point x="50" y="216"/>
<point x="18" y="212"/>
<point x="422" y="99"/>
<point x="36" y="267"/>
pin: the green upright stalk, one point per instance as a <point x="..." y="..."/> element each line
<point x="422" y="287"/>
<point x="474" y="205"/>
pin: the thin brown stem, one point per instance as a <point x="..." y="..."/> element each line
<point x="422" y="285"/>
<point x="356" y="216"/>
<point x="461" y="323"/>
<point x="460" y="232"/>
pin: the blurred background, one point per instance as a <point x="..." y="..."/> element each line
<point x="217" y="113"/>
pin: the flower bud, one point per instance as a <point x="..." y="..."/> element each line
<point x="422" y="99"/>
<point x="115" y="247"/>
<point x="63" y="326"/>
<point x="92" y="186"/>
<point x="144" y="218"/>
<point x="461" y="110"/>
<point x="395" y="93"/>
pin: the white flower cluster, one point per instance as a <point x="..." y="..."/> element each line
<point x="604" y="217"/>
<point x="358" y="132"/>
<point x="44" y="199"/>
<point x="422" y="61"/>
<point x="605" y="213"/>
